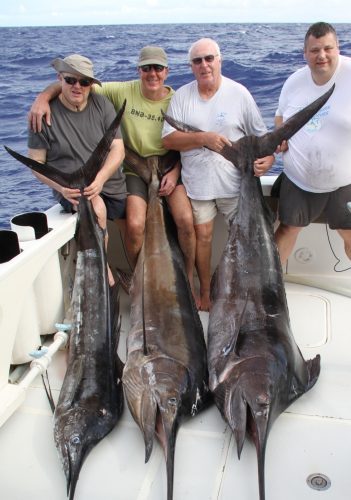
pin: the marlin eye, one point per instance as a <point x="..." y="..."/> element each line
<point x="75" y="439"/>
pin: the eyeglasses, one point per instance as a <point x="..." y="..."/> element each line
<point x="72" y="80"/>
<point x="209" y="59"/>
<point x="148" y="67"/>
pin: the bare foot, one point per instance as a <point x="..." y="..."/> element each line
<point x="197" y="302"/>
<point x="205" y="303"/>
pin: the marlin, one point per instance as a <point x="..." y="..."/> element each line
<point x="256" y="369"/>
<point x="165" y="376"/>
<point x="91" y="398"/>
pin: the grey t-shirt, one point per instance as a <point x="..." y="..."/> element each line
<point x="72" y="137"/>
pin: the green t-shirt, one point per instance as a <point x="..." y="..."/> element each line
<point x="142" y="121"/>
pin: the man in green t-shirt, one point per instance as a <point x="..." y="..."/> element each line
<point x="141" y="130"/>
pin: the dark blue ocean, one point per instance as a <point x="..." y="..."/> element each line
<point x="260" y="56"/>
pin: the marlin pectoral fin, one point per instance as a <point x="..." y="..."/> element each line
<point x="47" y="387"/>
<point x="268" y="143"/>
<point x="313" y="368"/>
<point x="298" y="386"/>
<point x="148" y="421"/>
<point x="98" y="156"/>
<point x="238" y="420"/>
<point x="235" y="324"/>
<point x="231" y="402"/>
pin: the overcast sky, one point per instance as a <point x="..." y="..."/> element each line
<point x="83" y="12"/>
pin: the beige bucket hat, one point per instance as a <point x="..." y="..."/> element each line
<point x="75" y="64"/>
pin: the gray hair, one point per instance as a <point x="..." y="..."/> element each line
<point x="213" y="42"/>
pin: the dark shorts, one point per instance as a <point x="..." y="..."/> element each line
<point x="116" y="209"/>
<point x="299" y="208"/>
<point x="137" y="187"/>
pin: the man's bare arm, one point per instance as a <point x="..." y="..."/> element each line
<point x="41" y="107"/>
<point x="184" y="141"/>
<point x="71" y="195"/>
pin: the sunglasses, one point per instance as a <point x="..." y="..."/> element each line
<point x="148" y="67"/>
<point x="83" y="82"/>
<point x="198" y="60"/>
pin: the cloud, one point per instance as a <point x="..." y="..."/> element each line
<point x="44" y="12"/>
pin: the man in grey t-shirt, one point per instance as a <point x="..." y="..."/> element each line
<point x="79" y="119"/>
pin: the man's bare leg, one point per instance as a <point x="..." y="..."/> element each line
<point x="182" y="213"/>
<point x="135" y="227"/>
<point x="285" y="238"/>
<point x="346" y="236"/>
<point x="203" y="261"/>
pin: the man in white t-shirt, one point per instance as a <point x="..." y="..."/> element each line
<point x="225" y="111"/>
<point x="317" y="163"/>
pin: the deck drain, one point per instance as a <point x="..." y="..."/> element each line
<point x="318" y="482"/>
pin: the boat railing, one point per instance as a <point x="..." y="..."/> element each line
<point x="31" y="299"/>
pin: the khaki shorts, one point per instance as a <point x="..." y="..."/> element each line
<point x="206" y="210"/>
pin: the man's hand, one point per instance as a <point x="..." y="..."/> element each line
<point x="169" y="182"/>
<point x="215" y="141"/>
<point x="94" y="189"/>
<point x="284" y="146"/>
<point x="39" y="109"/>
<point x="261" y="165"/>
<point x="71" y="195"/>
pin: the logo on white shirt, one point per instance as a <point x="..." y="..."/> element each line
<point x="316" y="121"/>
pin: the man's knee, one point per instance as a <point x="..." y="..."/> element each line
<point x="135" y="228"/>
<point x="185" y="222"/>
<point x="204" y="233"/>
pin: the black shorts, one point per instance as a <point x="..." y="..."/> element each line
<point x="116" y="209"/>
<point x="299" y="208"/>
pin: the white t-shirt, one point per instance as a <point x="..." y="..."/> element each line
<point x="231" y="112"/>
<point x="319" y="154"/>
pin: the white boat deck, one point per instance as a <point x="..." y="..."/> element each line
<point x="313" y="437"/>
